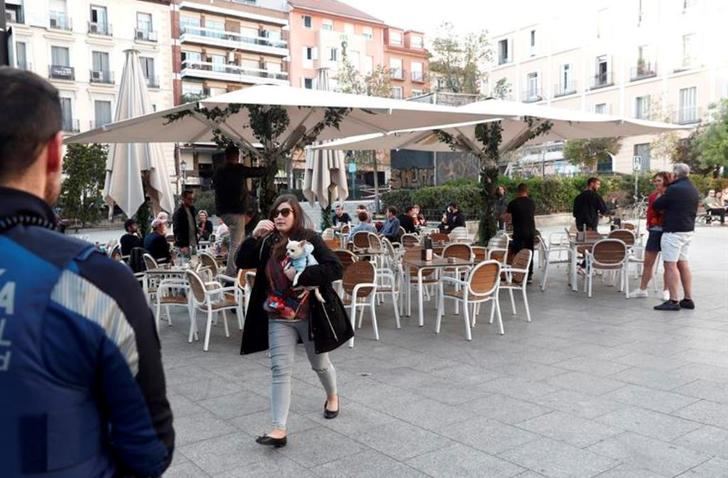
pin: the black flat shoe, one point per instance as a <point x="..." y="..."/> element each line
<point x="328" y="414"/>
<point x="270" y="441"/>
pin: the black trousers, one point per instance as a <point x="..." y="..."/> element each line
<point x="590" y="226"/>
<point x="525" y="242"/>
<point x="717" y="212"/>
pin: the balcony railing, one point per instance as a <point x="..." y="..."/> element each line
<point x="564" y="89"/>
<point x="192" y="97"/>
<point x="190" y="66"/>
<point x="689" y="115"/>
<point x="532" y="95"/>
<point x="153" y="82"/>
<point x="396" y="73"/>
<point x="101" y="76"/>
<point x="602" y="80"/>
<point x="61" y="72"/>
<point x="95" y="28"/>
<point x="418" y="76"/>
<point x="232" y="36"/>
<point x="98" y="123"/>
<point x="642" y="71"/>
<point x="70" y="125"/>
<point x="60" y="21"/>
<point x="145" y="35"/>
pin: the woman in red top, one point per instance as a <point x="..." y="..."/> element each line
<point x="654" y="226"/>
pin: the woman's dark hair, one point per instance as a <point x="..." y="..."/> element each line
<point x="300" y="221"/>
<point x="666" y="177"/>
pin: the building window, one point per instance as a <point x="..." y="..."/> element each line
<point x="688" y="50"/>
<point x="601" y="108"/>
<point x="308" y="83"/>
<point x="533" y="90"/>
<point x="395" y="68"/>
<point x="504" y="51"/>
<point x="144" y="27"/>
<point x="395" y="38"/>
<point x="566" y="83"/>
<point x="688" y="112"/>
<point x="334" y="54"/>
<point x="21" y="56"/>
<point x="190" y="25"/>
<point x="307" y="21"/>
<point x="148" y="70"/>
<point x="60" y="56"/>
<point x="191" y="58"/>
<point x="603" y="76"/>
<point x="417" y="74"/>
<point x="308" y="52"/>
<point x="642" y="107"/>
<point x="416" y="92"/>
<point x="532" y="42"/>
<point x="100" y="71"/>
<point x="367" y="33"/>
<point x="327" y="25"/>
<point x="416" y="41"/>
<point x="397" y="92"/>
<point x="67" y="115"/>
<point x="102" y="113"/>
<point x="99" y="20"/>
<point x="14" y="14"/>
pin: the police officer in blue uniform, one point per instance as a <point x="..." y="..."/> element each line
<point x="82" y="390"/>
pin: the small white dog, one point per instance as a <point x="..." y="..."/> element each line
<point x="301" y="255"/>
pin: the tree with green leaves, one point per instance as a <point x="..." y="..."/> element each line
<point x="502" y="89"/>
<point x="712" y="142"/>
<point x="84" y="167"/>
<point x="459" y="60"/>
<point x="587" y="153"/>
<point x="489" y="150"/>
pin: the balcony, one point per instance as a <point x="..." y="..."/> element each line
<point x="153" y="82"/>
<point x="61" y="72"/>
<point x="532" y="95"/>
<point x="418" y="76"/>
<point x="145" y="35"/>
<point x="221" y="38"/>
<point x="70" y="125"/>
<point x="233" y="73"/>
<point x="396" y="73"/>
<point x="193" y="97"/>
<point x="689" y="115"/>
<point x="602" y="80"/>
<point x="642" y="71"/>
<point x="102" y="29"/>
<point x="565" y="89"/>
<point x="60" y="21"/>
<point x="101" y="76"/>
<point x="14" y="14"/>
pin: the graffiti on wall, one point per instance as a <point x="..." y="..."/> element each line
<point x="412" y="178"/>
<point x="417" y="169"/>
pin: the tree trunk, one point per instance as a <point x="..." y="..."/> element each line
<point x="488" y="225"/>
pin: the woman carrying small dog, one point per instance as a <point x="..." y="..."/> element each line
<point x="280" y="314"/>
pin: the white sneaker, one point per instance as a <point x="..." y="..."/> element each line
<point x="666" y="295"/>
<point x="639" y="294"/>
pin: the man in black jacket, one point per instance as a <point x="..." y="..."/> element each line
<point x="522" y="211"/>
<point x="407" y="222"/>
<point x="184" y="224"/>
<point x="131" y="239"/>
<point x="588" y="205"/>
<point x="679" y="206"/>
<point x="230" y="200"/>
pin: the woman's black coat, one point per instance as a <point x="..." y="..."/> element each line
<point x="328" y="325"/>
<point x="204" y="231"/>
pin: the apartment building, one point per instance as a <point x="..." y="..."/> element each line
<point x="323" y="31"/>
<point x="79" y="46"/>
<point x="644" y="59"/>
<point x="406" y="58"/>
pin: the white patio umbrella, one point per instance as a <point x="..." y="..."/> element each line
<point x="325" y="175"/>
<point x="566" y="124"/>
<point x="304" y="107"/>
<point x="123" y="183"/>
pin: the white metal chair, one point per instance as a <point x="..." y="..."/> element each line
<point x="359" y="286"/>
<point x="515" y="277"/>
<point x="480" y="286"/>
<point x="606" y="255"/>
<point x="211" y="300"/>
<point x="459" y="234"/>
<point x="498" y="248"/>
<point x="557" y="245"/>
<point x="171" y="291"/>
<point x="409" y="240"/>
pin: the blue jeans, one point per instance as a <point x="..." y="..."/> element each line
<point x="282" y="339"/>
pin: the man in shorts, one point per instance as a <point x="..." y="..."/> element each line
<point x="679" y="206"/>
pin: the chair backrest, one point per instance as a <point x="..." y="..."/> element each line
<point x="374" y="243"/>
<point x="245" y="277"/>
<point x="207" y="260"/>
<point x="150" y="262"/>
<point x="328" y="233"/>
<point x="610" y="252"/>
<point x="499" y="241"/>
<point x="345" y="228"/>
<point x="593" y="235"/>
<point x="346" y="257"/>
<point x="458" y="234"/>
<point x="332" y="243"/>
<point x="358" y="273"/>
<point x="480" y="253"/>
<point x="410" y="240"/>
<point x="484" y="278"/>
<point x="628" y="225"/>
<point x="439" y="237"/>
<point x="460" y="251"/>
<point x="360" y="240"/>
<point x="558" y="239"/>
<point x="522" y="260"/>
<point x="402" y="231"/>
<point x="624" y="235"/>
<point x="196" y="286"/>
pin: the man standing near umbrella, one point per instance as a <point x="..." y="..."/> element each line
<point x="183" y="221"/>
<point x="81" y="375"/>
<point x="229" y="185"/>
<point x="588" y="205"/>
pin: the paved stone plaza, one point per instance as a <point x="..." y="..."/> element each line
<point x="592" y="387"/>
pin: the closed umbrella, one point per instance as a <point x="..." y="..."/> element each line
<point x="131" y="166"/>
<point x="325" y="175"/>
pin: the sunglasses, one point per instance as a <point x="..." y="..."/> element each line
<point x="285" y="212"/>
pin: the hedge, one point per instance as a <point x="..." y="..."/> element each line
<point x="551" y="194"/>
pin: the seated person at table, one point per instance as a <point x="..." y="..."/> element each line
<point x="407" y="222"/>
<point x="204" y="226"/>
<point x="365" y="224"/>
<point x="131" y="239"/>
<point x="714" y="206"/>
<point x="341" y="217"/>
<point x="390" y="229"/>
<point x="156" y="243"/>
<point x="451" y="219"/>
<point x="420" y="220"/>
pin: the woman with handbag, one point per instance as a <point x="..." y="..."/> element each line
<point x="283" y="311"/>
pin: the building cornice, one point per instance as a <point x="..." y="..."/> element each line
<point x="232" y="13"/>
